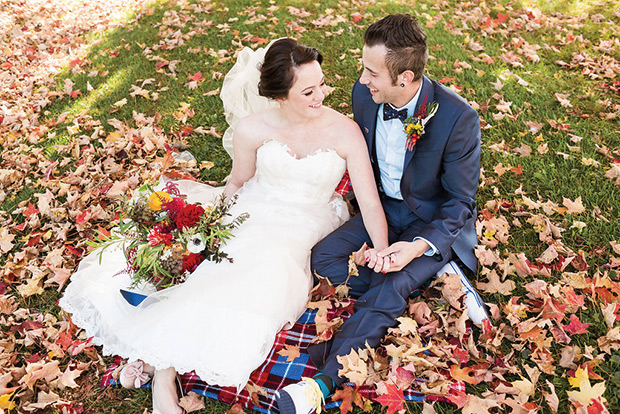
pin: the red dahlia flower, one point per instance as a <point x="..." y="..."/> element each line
<point x="189" y="216"/>
<point x="191" y="261"/>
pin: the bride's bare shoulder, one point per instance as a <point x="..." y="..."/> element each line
<point x="256" y="127"/>
<point x="344" y="125"/>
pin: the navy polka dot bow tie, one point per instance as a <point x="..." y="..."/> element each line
<point x="389" y="112"/>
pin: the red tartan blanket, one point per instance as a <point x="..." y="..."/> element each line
<point x="275" y="373"/>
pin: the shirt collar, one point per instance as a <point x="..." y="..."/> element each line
<point x="412" y="103"/>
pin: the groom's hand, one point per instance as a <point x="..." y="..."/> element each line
<point x="401" y="253"/>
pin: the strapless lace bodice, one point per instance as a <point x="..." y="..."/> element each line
<point x="313" y="177"/>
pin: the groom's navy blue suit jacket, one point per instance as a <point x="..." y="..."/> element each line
<point x="441" y="174"/>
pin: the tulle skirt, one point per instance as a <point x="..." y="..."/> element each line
<point x="222" y="321"/>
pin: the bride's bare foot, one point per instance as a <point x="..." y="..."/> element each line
<point x="165" y="397"/>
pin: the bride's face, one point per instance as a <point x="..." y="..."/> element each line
<point x="308" y="91"/>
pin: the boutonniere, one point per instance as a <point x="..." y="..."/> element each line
<point x="414" y="125"/>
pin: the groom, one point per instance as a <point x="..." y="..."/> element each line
<point x="427" y="188"/>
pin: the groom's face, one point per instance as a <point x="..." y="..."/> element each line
<point x="376" y="76"/>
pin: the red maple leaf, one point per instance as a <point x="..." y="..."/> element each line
<point x="64" y="340"/>
<point x="458" y="398"/>
<point x="517" y="170"/>
<point x="501" y="18"/>
<point x="446" y="80"/>
<point x="575" y="326"/>
<point x="196" y="76"/>
<point x="30" y="210"/>
<point x="83" y="218"/>
<point x="75" y="62"/>
<point x="73" y="250"/>
<point x="597" y="407"/>
<point x="573" y="298"/>
<point x="393" y="399"/>
<point x="75" y="94"/>
<point x="259" y="40"/>
<point x="33" y="240"/>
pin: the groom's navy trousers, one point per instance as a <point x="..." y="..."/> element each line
<point x="439" y="183"/>
<point x="382" y="297"/>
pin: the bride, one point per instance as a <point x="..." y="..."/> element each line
<point x="222" y="321"/>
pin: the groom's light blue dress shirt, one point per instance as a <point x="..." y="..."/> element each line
<point x="391" y="142"/>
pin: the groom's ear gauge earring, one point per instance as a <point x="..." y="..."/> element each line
<point x="402" y="84"/>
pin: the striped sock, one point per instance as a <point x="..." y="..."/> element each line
<point x="325" y="383"/>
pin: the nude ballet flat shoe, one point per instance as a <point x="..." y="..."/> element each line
<point x="134" y="375"/>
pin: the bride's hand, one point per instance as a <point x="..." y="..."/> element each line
<point x="367" y="256"/>
<point x="359" y="256"/>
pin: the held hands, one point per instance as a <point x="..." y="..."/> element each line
<point x="392" y="258"/>
<point x="367" y="256"/>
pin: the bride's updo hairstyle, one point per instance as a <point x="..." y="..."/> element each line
<point x="277" y="73"/>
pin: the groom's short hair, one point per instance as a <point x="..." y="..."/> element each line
<point x="405" y="42"/>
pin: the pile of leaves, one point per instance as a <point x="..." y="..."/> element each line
<point x="97" y="98"/>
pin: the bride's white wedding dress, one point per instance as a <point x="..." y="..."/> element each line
<point x="223" y="320"/>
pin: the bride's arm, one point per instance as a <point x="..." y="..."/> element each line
<point x="244" y="158"/>
<point x="354" y="149"/>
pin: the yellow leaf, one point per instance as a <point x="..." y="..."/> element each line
<point x="120" y="103"/>
<point x="525" y="386"/>
<point x="580" y="375"/>
<point x="206" y="165"/>
<point x="489" y="234"/>
<point x="587" y="392"/>
<point x="113" y="137"/>
<point x="6" y="403"/>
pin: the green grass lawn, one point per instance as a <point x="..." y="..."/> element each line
<point x="542" y="74"/>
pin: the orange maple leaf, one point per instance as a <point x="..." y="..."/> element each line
<point x="463" y="374"/>
<point x="236" y="409"/>
<point x="349" y="396"/>
<point x="290" y="352"/>
<point x="393" y="399"/>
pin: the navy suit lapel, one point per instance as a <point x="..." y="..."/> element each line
<point x="427" y="91"/>
<point x="370" y="123"/>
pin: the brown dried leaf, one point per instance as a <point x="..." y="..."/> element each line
<point x="495" y="285"/>
<point x="290" y="352"/>
<point x="194" y="402"/>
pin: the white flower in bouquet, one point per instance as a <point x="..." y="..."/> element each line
<point x="196" y="243"/>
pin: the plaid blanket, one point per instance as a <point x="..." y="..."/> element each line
<point x="275" y="373"/>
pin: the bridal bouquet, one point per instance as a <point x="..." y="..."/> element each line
<point x="165" y="238"/>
